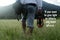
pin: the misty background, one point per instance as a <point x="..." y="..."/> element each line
<point x="8" y="12"/>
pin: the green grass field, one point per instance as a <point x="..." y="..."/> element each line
<point x="12" y="30"/>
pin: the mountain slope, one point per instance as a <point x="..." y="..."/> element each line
<point x="47" y="6"/>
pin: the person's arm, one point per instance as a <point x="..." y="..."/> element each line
<point x="39" y="12"/>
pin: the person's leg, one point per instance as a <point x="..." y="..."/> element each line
<point x="24" y="16"/>
<point x="30" y="17"/>
<point x="24" y="22"/>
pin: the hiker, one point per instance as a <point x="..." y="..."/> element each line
<point x="28" y="8"/>
<point x="31" y="6"/>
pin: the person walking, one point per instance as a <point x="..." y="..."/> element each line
<point x="30" y="6"/>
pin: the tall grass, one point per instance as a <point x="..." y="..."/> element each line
<point x="12" y="30"/>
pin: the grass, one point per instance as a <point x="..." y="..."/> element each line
<point x="12" y="30"/>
